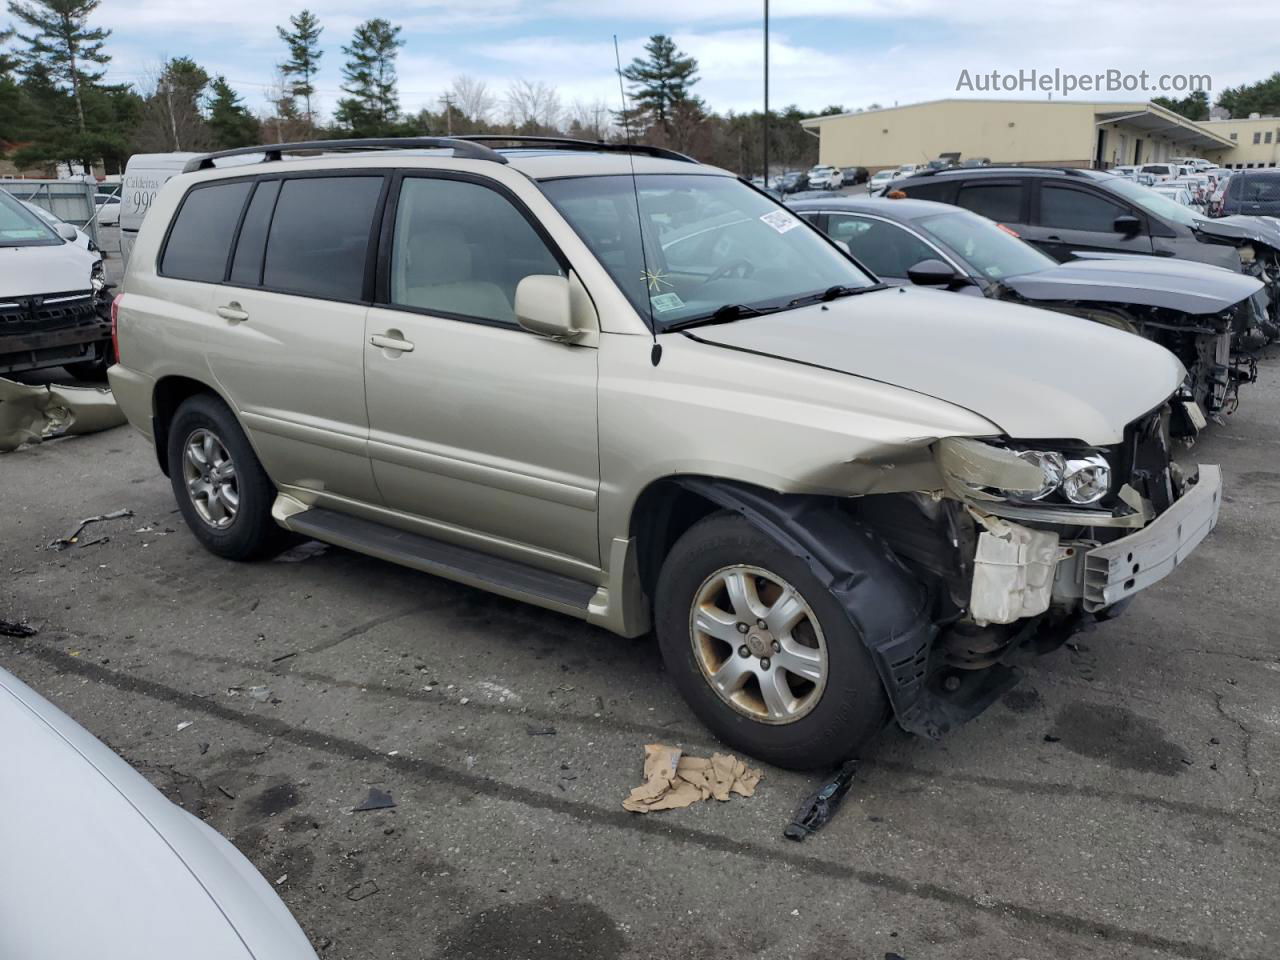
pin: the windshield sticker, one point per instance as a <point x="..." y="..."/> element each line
<point x="780" y="220"/>
<point x="666" y="301"/>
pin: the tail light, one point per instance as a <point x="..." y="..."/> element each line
<point x="115" y="325"/>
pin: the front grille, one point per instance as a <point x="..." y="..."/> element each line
<point x="47" y="311"/>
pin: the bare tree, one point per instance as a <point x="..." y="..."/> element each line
<point x="533" y="107"/>
<point x="172" y="116"/>
<point x="593" y="120"/>
<point x="471" y="97"/>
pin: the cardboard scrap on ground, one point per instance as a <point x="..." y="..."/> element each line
<point x="29" y="414"/>
<point x="672" y="780"/>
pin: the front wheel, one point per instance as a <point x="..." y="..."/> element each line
<point x="761" y="650"/>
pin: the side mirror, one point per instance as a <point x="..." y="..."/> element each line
<point x="1128" y="224"/>
<point x="543" y="307"/>
<point x="932" y="273"/>
<point x="66" y="231"/>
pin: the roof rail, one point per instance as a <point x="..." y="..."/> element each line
<point x="569" y="143"/>
<point x="274" y="151"/>
<point x="940" y="171"/>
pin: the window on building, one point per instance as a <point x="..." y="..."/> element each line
<point x="1257" y="137"/>
<point x="200" y="239"/>
<point x="319" y="236"/>
<point x="1267" y="139"/>
<point x="1235" y="136"/>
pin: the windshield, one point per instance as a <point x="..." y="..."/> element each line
<point x="991" y="250"/>
<point x="19" y="227"/>
<point x="1154" y="203"/>
<point x="709" y="241"/>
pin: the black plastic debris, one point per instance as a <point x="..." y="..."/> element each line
<point x="74" y="535"/>
<point x="817" y="809"/>
<point x="534" y="730"/>
<point x="377" y="800"/>
<point x="15" y="628"/>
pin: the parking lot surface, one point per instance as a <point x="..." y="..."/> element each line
<point x="1121" y="802"/>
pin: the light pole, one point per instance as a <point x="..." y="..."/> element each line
<point x="766" y="94"/>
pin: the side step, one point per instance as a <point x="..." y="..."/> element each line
<point x="509" y="578"/>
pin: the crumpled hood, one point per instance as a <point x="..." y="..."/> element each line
<point x="1192" y="288"/>
<point x="1034" y="373"/>
<point x="30" y="271"/>
<point x="1257" y="229"/>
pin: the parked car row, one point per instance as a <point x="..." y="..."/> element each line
<point x="1071" y="214"/>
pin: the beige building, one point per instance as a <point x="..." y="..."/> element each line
<point x="1041" y="132"/>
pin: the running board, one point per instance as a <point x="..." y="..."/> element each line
<point x="510" y="578"/>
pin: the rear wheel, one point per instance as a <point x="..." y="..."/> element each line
<point x="762" y="651"/>
<point x="224" y="494"/>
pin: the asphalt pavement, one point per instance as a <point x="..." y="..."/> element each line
<point x="1121" y="802"/>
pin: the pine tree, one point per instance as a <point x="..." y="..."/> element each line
<point x="303" y="42"/>
<point x="660" y="82"/>
<point x="370" y="78"/>
<point x="229" y="120"/>
<point x="62" y="41"/>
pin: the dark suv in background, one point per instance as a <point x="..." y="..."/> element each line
<point x="1069" y="213"/>
<point x="1252" y="193"/>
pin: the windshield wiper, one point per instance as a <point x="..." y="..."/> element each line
<point x="832" y="293"/>
<point x="723" y="314"/>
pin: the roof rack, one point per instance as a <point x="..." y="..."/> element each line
<point x="1070" y="171"/>
<point x="569" y="143"/>
<point x="274" y="151"/>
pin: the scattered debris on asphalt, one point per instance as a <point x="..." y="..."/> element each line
<point x="365" y="888"/>
<point x="16" y="628"/>
<point x="820" y="806"/>
<point x="184" y="724"/>
<point x="673" y="780"/>
<point x="225" y="792"/>
<point x="72" y="537"/>
<point x="537" y="731"/>
<point x="303" y="551"/>
<point x="377" y="800"/>
<point x="30" y="414"/>
<point x="260" y="694"/>
<point x="284" y="656"/>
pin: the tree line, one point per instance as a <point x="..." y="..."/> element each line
<point x="56" y="108"/>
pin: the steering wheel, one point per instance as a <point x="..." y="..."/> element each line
<point x="745" y="268"/>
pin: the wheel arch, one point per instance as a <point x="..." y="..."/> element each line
<point x="888" y="605"/>
<point x="166" y="397"/>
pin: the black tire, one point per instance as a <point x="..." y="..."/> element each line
<point x="852" y="707"/>
<point x="251" y="533"/>
<point x="94" y="370"/>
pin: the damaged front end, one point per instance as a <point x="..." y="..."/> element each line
<point x="1030" y="542"/>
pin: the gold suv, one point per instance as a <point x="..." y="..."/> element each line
<point x="622" y="385"/>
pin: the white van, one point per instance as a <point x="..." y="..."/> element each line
<point x="144" y="175"/>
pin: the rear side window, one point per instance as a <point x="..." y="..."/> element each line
<point x="1001" y="202"/>
<point x="885" y="249"/>
<point x="318" y="243"/>
<point x="200" y="240"/>
<point x="246" y="268"/>
<point x="1069" y="209"/>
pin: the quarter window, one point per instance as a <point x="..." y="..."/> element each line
<point x="246" y="266"/>
<point x="200" y="239"/>
<point x="318" y="243"/>
<point x="1069" y="209"/>
<point x="462" y="249"/>
<point x="1001" y="202"/>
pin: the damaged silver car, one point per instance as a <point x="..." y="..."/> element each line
<point x="630" y="388"/>
<point x="1199" y="312"/>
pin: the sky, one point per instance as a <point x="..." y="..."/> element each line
<point x="850" y="52"/>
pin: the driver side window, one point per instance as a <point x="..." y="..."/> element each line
<point x="884" y="248"/>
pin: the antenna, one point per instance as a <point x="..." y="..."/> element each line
<point x="656" y="353"/>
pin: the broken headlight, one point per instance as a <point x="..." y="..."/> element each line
<point x="97" y="277"/>
<point x="985" y="471"/>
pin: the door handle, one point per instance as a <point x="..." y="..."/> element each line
<point x="233" y="312"/>
<point x="388" y="342"/>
